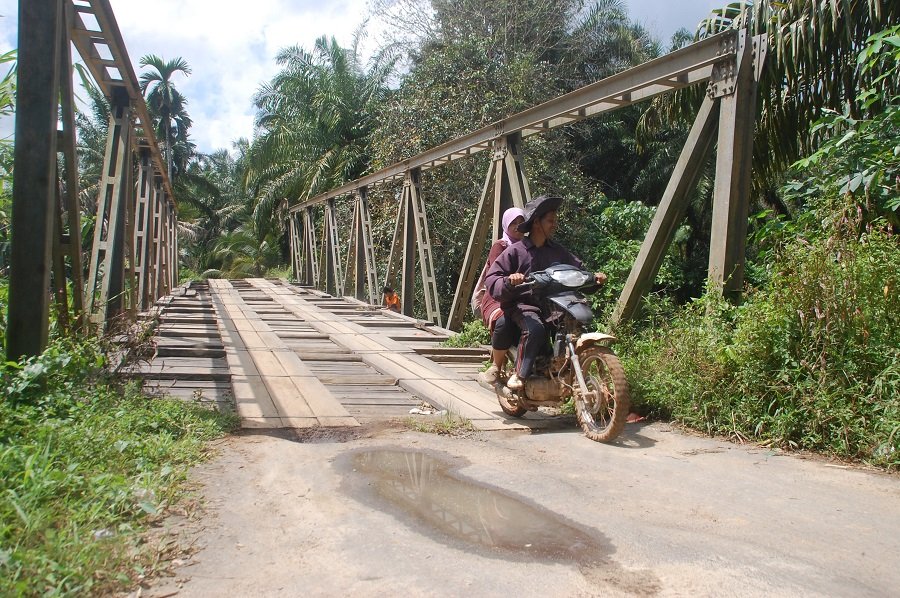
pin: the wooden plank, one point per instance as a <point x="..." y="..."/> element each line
<point x="262" y="422"/>
<point x="174" y="372"/>
<point x="292" y="364"/>
<point x="288" y="399"/>
<point x="266" y="362"/>
<point x="319" y="398"/>
<point x="373" y="379"/>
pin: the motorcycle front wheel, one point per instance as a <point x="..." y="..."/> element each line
<point x="602" y="411"/>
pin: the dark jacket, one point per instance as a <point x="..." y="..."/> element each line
<point x="526" y="258"/>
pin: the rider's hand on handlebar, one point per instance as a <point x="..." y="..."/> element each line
<point x="516" y="279"/>
<point x="600" y="278"/>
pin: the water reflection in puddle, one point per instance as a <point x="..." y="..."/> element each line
<point x="425" y="491"/>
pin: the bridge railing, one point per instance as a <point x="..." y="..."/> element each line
<point x="729" y="63"/>
<point x="134" y="251"/>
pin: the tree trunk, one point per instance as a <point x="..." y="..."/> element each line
<point x="168" y="145"/>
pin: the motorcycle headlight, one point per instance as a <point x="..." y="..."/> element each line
<point x="572" y="278"/>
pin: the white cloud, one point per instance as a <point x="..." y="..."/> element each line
<point x="230" y="45"/>
<point x="231" y="49"/>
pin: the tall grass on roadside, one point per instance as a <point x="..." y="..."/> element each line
<point x="810" y="361"/>
<point x="84" y="465"/>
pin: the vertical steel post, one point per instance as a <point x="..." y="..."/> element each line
<point x="173" y="247"/>
<point x="310" y="250"/>
<point x="396" y="254"/>
<point x="354" y="282"/>
<point x="163" y="247"/>
<point x="107" y="268"/>
<point x="141" y="227"/>
<point x="423" y="242"/>
<point x="34" y="192"/>
<point x="59" y="267"/>
<point x="129" y="283"/>
<point x="294" y="246"/>
<point x="368" y="247"/>
<point x="175" y="257"/>
<point x="156" y="227"/>
<point x="731" y="197"/>
<point x="408" y="277"/>
<point x="334" y="279"/>
<point x="71" y="242"/>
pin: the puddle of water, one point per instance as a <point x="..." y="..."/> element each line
<point x="423" y="490"/>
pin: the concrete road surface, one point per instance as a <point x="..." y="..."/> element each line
<point x="390" y="512"/>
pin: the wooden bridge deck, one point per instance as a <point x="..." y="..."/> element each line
<point x="285" y="356"/>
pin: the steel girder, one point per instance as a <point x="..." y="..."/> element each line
<point x="46" y="228"/>
<point x="730" y="63"/>
<point x="685" y="67"/>
<point x="729" y="109"/>
<point x="506" y="178"/>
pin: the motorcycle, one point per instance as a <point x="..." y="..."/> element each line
<point x="575" y="364"/>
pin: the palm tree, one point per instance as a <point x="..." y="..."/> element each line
<point x="164" y="100"/>
<point x="811" y="68"/>
<point x="212" y="203"/>
<point x="314" y="118"/>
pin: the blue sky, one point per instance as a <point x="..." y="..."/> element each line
<point x="231" y="47"/>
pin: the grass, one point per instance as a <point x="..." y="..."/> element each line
<point x="86" y="465"/>
<point x="810" y="361"/>
<point x="447" y="423"/>
<point x="473" y="334"/>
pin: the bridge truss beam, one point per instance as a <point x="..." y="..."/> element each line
<point x="730" y="63"/>
<point x="46" y="228"/>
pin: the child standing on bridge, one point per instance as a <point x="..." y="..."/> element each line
<point x="391" y="300"/>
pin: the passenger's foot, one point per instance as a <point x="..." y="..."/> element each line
<point x="515" y="383"/>
<point x="490" y="375"/>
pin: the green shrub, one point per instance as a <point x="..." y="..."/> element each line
<point x="83" y="465"/>
<point x="473" y="334"/>
<point x="812" y="361"/>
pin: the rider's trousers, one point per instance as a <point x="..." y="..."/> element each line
<point x="534" y="339"/>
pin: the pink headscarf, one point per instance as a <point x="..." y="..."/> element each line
<point x="508" y="216"/>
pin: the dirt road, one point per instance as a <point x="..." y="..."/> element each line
<point x="386" y="512"/>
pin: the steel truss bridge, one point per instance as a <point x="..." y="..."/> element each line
<point x="730" y="65"/>
<point x="134" y="252"/>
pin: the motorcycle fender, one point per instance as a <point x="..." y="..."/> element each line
<point x="575" y="305"/>
<point x="594" y="338"/>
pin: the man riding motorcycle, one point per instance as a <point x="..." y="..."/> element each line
<point x="535" y="252"/>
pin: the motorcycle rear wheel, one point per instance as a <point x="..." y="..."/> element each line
<point x="603" y="411"/>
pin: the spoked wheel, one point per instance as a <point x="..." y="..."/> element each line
<point x="507" y="401"/>
<point x="603" y="410"/>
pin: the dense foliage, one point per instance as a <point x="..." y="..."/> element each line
<point x="812" y="358"/>
<point x="85" y="464"/>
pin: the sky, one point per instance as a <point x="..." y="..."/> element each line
<point x="231" y="45"/>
